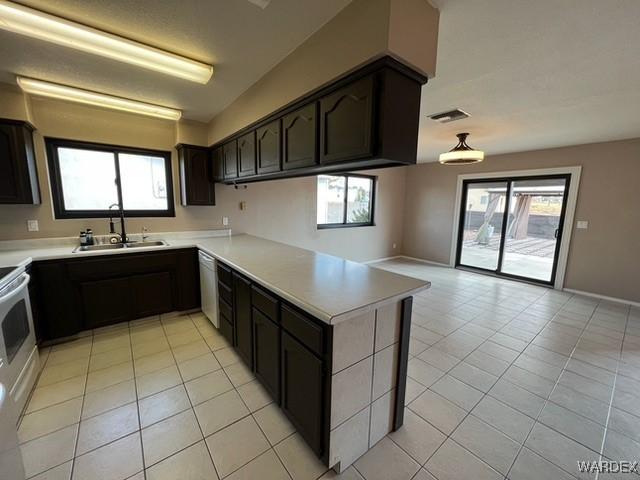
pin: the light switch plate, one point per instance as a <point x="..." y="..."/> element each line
<point x="582" y="224"/>
<point x="32" y="225"/>
<point x="225" y="221"/>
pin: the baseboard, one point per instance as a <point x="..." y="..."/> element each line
<point x="602" y="297"/>
<point x="422" y="260"/>
<point x="376" y="260"/>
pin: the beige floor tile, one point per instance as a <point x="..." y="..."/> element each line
<point x="625" y="423"/>
<point x="574" y="426"/>
<point x="61" y="472"/>
<point x="49" y="451"/>
<point x="196" y="367"/>
<point x="184" y="338"/>
<point x="110" y="358"/>
<point x="452" y="462"/>
<point x="153" y="363"/>
<point x="165" y="438"/>
<point x="236" y="445"/>
<point x="239" y="374"/>
<point x="299" y="459"/>
<point x="350" y="474"/>
<point x="62" y="371"/>
<point x="487" y="443"/>
<point x="76" y="350"/>
<point x="162" y="405"/>
<point x="457" y="392"/>
<point x="413" y="391"/>
<point x="110" y="342"/>
<point x="517" y="397"/>
<point x="219" y="412"/>
<point x="190" y="350"/>
<point x="266" y="467"/>
<point x="115" y="461"/>
<point x="192" y="463"/>
<point x="509" y="421"/>
<point x="216" y="342"/>
<point x="531" y="466"/>
<point x="387" y="461"/>
<point x="581" y="404"/>
<point x="56" y="393"/>
<point x="111" y="397"/>
<point x="178" y="325"/>
<point x="438" y="359"/>
<point x="417" y="437"/>
<point x="157" y="381"/>
<point x="106" y="377"/>
<point x="227" y="356"/>
<point x="274" y="423"/>
<point x="149" y="347"/>
<point x="438" y="411"/>
<point x="208" y="386"/>
<point x="49" y="419"/>
<point x="254" y="395"/>
<point x="107" y="427"/>
<point x="423" y="373"/>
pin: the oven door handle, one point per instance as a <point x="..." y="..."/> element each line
<point x="17" y="289"/>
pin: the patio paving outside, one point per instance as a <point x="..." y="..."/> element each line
<point x="530" y="257"/>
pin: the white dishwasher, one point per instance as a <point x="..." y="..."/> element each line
<point x="209" y="287"/>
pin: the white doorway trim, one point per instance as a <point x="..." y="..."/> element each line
<point x="572" y="198"/>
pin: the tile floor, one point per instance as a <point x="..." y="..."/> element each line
<point x="506" y="380"/>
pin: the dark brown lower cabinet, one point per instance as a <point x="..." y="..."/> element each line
<point x="226" y="328"/>
<point x="242" y="318"/>
<point x="81" y="293"/>
<point x="303" y="390"/>
<point x="266" y="353"/>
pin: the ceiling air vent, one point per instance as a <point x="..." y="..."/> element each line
<point x="449" y="116"/>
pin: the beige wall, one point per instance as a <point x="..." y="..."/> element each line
<point x="364" y="29"/>
<point x="604" y="259"/>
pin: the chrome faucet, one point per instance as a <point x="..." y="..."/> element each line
<point x="112" y="229"/>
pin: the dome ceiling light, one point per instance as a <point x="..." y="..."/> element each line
<point x="461" y="154"/>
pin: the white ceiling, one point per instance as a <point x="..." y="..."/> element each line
<point x="242" y="40"/>
<point x="534" y="74"/>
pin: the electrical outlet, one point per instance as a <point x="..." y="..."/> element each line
<point x="582" y="224"/>
<point x="243" y="205"/>
<point x="32" y="225"/>
<point x="225" y="221"/>
<point x="394" y="246"/>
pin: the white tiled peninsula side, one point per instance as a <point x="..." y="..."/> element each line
<point x="364" y="381"/>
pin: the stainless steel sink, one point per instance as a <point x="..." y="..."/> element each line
<point x="116" y="246"/>
<point x="153" y="243"/>
<point x="91" y="248"/>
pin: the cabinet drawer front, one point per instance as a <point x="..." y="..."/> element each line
<point x="304" y="329"/>
<point x="264" y="302"/>
<point x="226" y="328"/>
<point x="225" y="309"/>
<point x="225" y="293"/>
<point x="224" y="274"/>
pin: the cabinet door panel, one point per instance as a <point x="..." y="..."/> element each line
<point x="197" y="176"/>
<point x="268" y="148"/>
<point x="230" y="159"/>
<point x="217" y="159"/>
<point x="346" y="123"/>
<point x="18" y="175"/>
<point x="9" y="182"/>
<point x="247" y="155"/>
<point x="302" y="391"/>
<point x="151" y="294"/>
<point x="299" y="138"/>
<point x="106" y="302"/>
<point x="242" y="320"/>
<point x="266" y="353"/>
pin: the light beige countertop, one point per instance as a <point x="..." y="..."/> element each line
<point x="330" y="288"/>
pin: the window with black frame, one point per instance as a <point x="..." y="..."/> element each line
<point x="89" y="178"/>
<point x="345" y="200"/>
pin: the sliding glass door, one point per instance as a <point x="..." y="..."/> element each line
<point x="513" y="226"/>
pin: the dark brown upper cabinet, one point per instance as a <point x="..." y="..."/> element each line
<point x="18" y="174"/>
<point x="268" y="148"/>
<point x="247" y="155"/>
<point x="218" y="164"/>
<point x="346" y="123"/>
<point x="299" y="138"/>
<point x="365" y="119"/>
<point x="196" y="175"/>
<point x="230" y="160"/>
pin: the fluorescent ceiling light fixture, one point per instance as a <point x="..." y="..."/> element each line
<point x="33" y="23"/>
<point x="62" y="92"/>
<point x="461" y="154"/>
